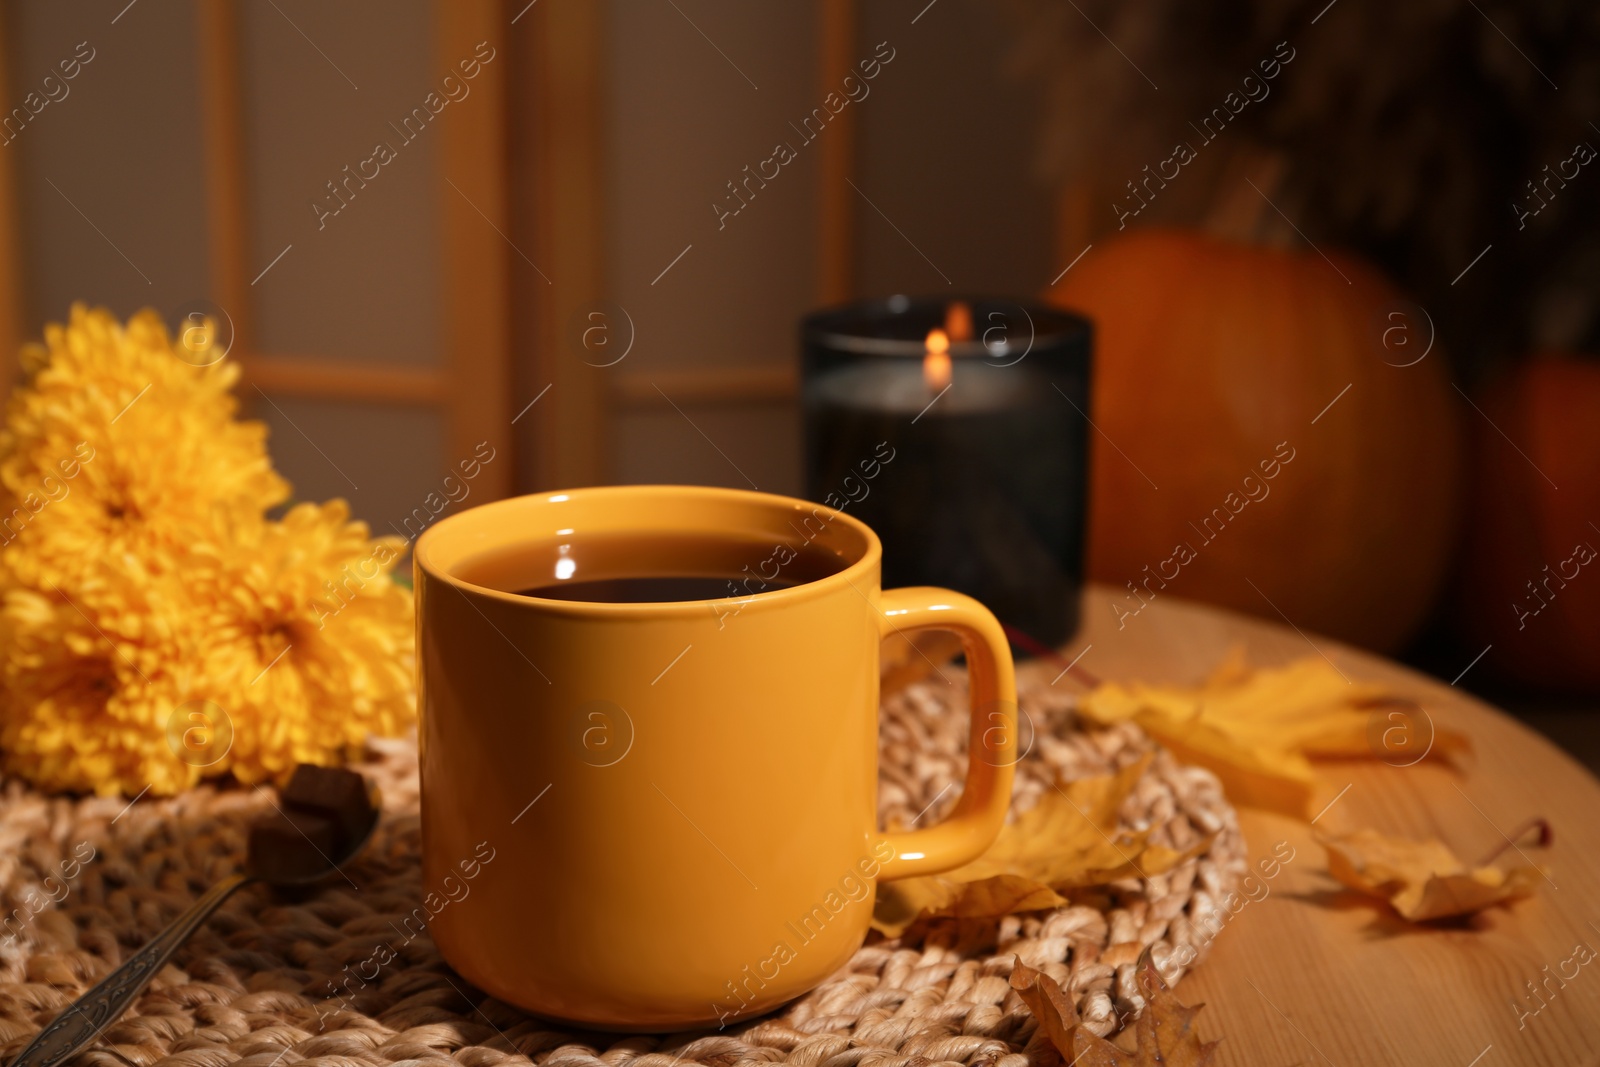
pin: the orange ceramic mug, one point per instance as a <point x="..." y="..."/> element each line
<point x="652" y="816"/>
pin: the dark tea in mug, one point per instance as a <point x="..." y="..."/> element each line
<point x="650" y="568"/>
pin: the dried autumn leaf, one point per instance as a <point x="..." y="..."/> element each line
<point x="1165" y="1031"/>
<point x="1068" y="840"/>
<point x="1050" y="1005"/>
<point x="908" y="658"/>
<point x="1421" y="880"/>
<point x="1255" y="729"/>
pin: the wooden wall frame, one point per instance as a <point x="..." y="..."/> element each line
<point x="475" y="387"/>
<point x="10" y="243"/>
<point x="563" y="46"/>
<point x="470" y="386"/>
<point x="476" y="259"/>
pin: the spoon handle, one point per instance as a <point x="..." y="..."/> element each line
<point x="102" y="1005"/>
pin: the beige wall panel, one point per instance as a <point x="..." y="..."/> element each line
<point x="760" y="440"/>
<point x="119" y="143"/>
<point x="686" y="117"/>
<point x="322" y="84"/>
<point x="384" y="461"/>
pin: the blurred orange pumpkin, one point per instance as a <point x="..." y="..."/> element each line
<point x="1221" y="471"/>
<point x="1530" y="580"/>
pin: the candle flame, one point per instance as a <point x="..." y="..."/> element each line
<point x="958" y="321"/>
<point x="936" y="364"/>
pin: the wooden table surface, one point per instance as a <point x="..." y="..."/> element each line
<point x="1313" y="974"/>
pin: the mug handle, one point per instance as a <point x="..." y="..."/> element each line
<point x="992" y="747"/>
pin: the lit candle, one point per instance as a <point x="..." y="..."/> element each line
<point x="985" y="489"/>
<point x="936" y="364"/>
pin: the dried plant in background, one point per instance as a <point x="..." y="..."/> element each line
<point x="1417" y="133"/>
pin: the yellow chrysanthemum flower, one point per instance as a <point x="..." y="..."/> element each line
<point x="156" y="627"/>
<point x="304" y="614"/>
<point x="86" y="694"/>
<point x="127" y="440"/>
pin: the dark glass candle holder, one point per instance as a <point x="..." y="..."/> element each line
<point x="970" y="468"/>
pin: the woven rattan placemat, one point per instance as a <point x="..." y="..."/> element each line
<point x="82" y="881"/>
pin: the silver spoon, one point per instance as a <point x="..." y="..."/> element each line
<point x="283" y="866"/>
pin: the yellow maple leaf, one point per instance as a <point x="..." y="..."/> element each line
<point x="1069" y="840"/>
<point x="1255" y="729"/>
<point x="1421" y="880"/>
<point x="1165" y="1032"/>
